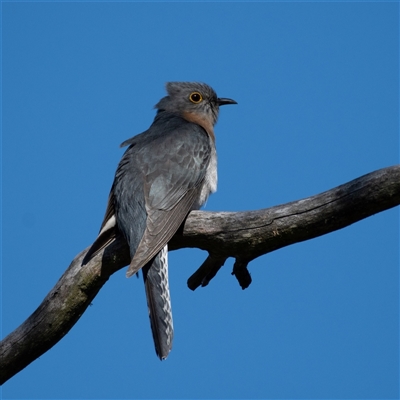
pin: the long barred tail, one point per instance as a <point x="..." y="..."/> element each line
<point x="155" y="277"/>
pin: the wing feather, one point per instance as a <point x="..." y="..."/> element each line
<point x="160" y="228"/>
<point x="108" y="231"/>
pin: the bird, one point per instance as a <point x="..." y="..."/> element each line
<point x="167" y="171"/>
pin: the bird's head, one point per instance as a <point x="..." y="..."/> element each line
<point x="192" y="98"/>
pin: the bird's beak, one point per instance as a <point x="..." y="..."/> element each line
<point x="223" y="101"/>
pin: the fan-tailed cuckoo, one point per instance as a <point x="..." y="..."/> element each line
<point x="167" y="171"/>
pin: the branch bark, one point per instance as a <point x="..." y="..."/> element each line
<point x="242" y="235"/>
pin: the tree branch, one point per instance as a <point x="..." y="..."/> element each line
<point x="242" y="235"/>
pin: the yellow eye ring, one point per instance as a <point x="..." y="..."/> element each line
<point x="195" y="97"/>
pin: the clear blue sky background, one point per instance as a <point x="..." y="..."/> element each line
<point x="318" y="92"/>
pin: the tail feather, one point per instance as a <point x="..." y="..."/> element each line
<point x="155" y="275"/>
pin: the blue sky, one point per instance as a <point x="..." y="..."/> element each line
<point x="317" y="86"/>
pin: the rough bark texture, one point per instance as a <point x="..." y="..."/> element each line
<point x="242" y="235"/>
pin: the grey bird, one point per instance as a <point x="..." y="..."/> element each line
<point x="166" y="172"/>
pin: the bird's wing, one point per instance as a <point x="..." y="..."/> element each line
<point x="108" y="229"/>
<point x="173" y="168"/>
<point x="107" y="232"/>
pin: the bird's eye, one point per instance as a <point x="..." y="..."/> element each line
<point x="195" y="97"/>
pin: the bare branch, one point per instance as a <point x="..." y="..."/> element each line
<point x="242" y="235"/>
<point x="248" y="235"/>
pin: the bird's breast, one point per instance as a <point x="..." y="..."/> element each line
<point x="210" y="180"/>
